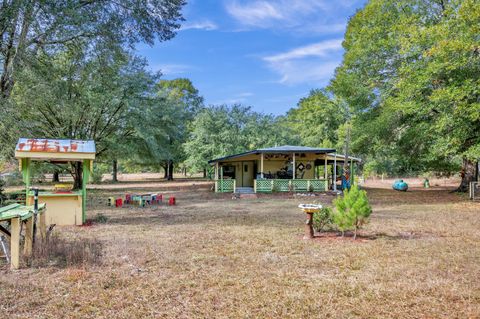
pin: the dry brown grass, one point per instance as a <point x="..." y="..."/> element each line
<point x="214" y="257"/>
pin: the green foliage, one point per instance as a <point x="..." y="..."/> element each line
<point x="100" y="218"/>
<point x="410" y="75"/>
<point x="317" y="118"/>
<point x="32" y="28"/>
<point x="352" y="210"/>
<point x="224" y="130"/>
<point x="323" y="219"/>
<point x="98" y="171"/>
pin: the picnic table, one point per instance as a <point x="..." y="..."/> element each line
<point x="17" y="214"/>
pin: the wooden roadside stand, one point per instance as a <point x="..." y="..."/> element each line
<point x="309" y="209"/>
<point x="65" y="206"/>
<point x="18" y="216"/>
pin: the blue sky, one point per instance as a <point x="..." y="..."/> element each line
<point x="263" y="53"/>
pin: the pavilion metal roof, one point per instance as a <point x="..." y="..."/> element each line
<point x="279" y="149"/>
<point x="60" y="150"/>
<point x="55" y="145"/>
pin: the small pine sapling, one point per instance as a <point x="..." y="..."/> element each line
<point x="323" y="219"/>
<point x="352" y="210"/>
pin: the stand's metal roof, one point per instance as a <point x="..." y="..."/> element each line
<point x="40" y="148"/>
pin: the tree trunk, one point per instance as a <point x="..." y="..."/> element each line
<point x="468" y="173"/>
<point x="77" y="175"/>
<point x="204" y="173"/>
<point x="114" y="171"/>
<point x="56" y="177"/>
<point x="165" y="171"/>
<point x="170" y="171"/>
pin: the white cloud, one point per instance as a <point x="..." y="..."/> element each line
<point x="313" y="63"/>
<point x="319" y="16"/>
<point x="255" y="13"/>
<point x="206" y="25"/>
<point x="238" y="98"/>
<point x="171" y="69"/>
<point x="319" y="49"/>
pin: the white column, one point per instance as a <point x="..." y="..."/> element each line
<point x="335" y="173"/>
<point x="261" y="165"/>
<point x="325" y="173"/>
<point x="294" y="167"/>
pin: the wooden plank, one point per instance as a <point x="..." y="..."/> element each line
<point x="4" y="231"/>
<point x="15" y="244"/>
<point x="9" y="207"/>
<point x="28" y="246"/>
<point x="42" y="224"/>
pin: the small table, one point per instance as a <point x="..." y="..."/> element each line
<point x="309" y="209"/>
<point x="16" y="214"/>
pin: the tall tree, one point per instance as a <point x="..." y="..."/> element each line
<point x="317" y="118"/>
<point x="80" y="96"/>
<point x="184" y="102"/>
<point x="223" y="130"/>
<point x="31" y="27"/>
<point x="411" y="69"/>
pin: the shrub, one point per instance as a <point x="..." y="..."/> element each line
<point x="97" y="174"/>
<point x="323" y="219"/>
<point x="100" y="218"/>
<point x="352" y="210"/>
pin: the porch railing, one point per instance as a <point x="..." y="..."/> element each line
<point x="290" y="185"/>
<point x="225" y="185"/>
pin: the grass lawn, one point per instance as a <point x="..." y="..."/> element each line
<point x="215" y="257"/>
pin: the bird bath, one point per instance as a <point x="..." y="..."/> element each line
<point x="309" y="209"/>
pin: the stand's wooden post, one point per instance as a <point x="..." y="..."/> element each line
<point x="86" y="167"/>
<point x="42" y="224"/>
<point x="27" y="248"/>
<point x="26" y="173"/>
<point x="15" y="243"/>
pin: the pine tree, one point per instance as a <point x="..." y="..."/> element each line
<point x="352" y="210"/>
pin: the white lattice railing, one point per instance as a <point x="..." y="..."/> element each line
<point x="290" y="185"/>
<point x="225" y="186"/>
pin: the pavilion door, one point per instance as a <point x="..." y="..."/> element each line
<point x="247" y="174"/>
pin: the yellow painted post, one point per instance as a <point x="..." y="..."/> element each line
<point x="325" y="172"/>
<point x="294" y="167"/>
<point x="15" y="243"/>
<point x="352" y="178"/>
<point x="27" y="248"/>
<point x="255" y="186"/>
<point x="261" y="165"/>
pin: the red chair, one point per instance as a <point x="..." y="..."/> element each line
<point x="118" y="202"/>
<point x="171" y="201"/>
